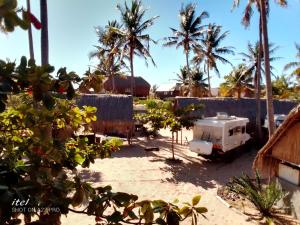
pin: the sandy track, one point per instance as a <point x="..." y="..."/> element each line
<point x="148" y="175"/>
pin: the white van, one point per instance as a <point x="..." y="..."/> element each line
<point x="222" y="133"/>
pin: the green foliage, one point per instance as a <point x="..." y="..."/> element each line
<point x="39" y="155"/>
<point x="263" y="197"/>
<point x="160" y="114"/>
<point x="9" y="18"/>
<point x="282" y="87"/>
<point x="239" y="80"/>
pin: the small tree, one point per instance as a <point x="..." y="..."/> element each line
<point x="163" y="115"/>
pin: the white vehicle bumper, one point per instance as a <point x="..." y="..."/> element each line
<point x="201" y="147"/>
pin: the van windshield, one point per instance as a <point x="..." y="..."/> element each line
<point x="208" y="133"/>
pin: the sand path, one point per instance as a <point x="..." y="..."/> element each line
<point x="148" y="175"/>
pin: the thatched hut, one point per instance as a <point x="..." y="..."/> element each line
<point x="114" y="113"/>
<point x="123" y="86"/>
<point x="281" y="155"/>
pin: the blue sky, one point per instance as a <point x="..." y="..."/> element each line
<point x="72" y="36"/>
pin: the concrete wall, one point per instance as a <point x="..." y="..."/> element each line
<point x="292" y="198"/>
<point x="242" y="108"/>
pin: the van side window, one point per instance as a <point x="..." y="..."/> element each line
<point x="237" y="130"/>
<point x="230" y="132"/>
<point x="243" y="130"/>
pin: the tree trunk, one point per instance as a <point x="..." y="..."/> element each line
<point x="258" y="88"/>
<point x="44" y="33"/>
<point x="208" y="81"/>
<point x="132" y="88"/>
<point x="113" y="84"/>
<point x="190" y="94"/>
<point x="30" y="39"/>
<point x="270" y="109"/>
<point x="111" y="75"/>
<point x="239" y="94"/>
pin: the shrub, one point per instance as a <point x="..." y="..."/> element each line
<point x="263" y="196"/>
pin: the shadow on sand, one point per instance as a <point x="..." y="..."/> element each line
<point x="193" y="169"/>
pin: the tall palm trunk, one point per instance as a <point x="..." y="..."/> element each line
<point x="270" y="109"/>
<point x="44" y="33"/>
<point x="30" y="39"/>
<point x="132" y="72"/>
<point x="258" y="87"/>
<point x="190" y="94"/>
<point x="239" y="93"/>
<point x="208" y="80"/>
<point x="111" y="75"/>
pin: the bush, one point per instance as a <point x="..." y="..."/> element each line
<point x="263" y="196"/>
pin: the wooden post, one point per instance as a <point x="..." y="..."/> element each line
<point x="181" y="136"/>
<point x="173" y="156"/>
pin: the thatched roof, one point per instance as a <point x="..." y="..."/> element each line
<point x="125" y="82"/>
<point x="284" y="145"/>
<point x="109" y="107"/>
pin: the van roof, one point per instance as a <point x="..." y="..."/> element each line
<point x="215" y="122"/>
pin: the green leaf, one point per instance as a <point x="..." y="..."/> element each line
<point x="196" y="200"/>
<point x="115" y="217"/>
<point x="201" y="210"/>
<point x="132" y="215"/>
<point x="79" y="159"/>
<point x="160" y="221"/>
<point x="185" y="210"/>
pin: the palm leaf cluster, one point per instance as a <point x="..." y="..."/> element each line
<point x="238" y="81"/>
<point x="295" y="65"/>
<point x="251" y="56"/>
<point x="210" y="49"/>
<point x="202" y="40"/>
<point x="263" y="197"/>
<point x="124" y="40"/>
<point x="136" y="42"/>
<point x="108" y="52"/>
<point x="188" y="35"/>
<point x="190" y="29"/>
<point x="199" y="86"/>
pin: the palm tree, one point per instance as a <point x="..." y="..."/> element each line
<point x="183" y="80"/>
<point x="282" y="87"/>
<point x="199" y="83"/>
<point x="44" y="33"/>
<point x="263" y="9"/>
<point x="296" y="65"/>
<point x="92" y="80"/>
<point x="254" y="58"/>
<point x="30" y="40"/>
<point x="210" y="50"/>
<point x="239" y="80"/>
<point x="189" y="33"/>
<point x="135" y="41"/>
<point x="109" y="50"/>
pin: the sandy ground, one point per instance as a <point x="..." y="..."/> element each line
<point x="148" y="175"/>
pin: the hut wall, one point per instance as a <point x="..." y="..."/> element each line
<point x="287" y="147"/>
<point x="114" y="113"/>
<point x="293" y="196"/>
<point x="244" y="107"/>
